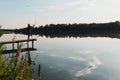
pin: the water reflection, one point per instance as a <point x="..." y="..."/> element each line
<point x="84" y="56"/>
<point x="77" y="58"/>
<point x="92" y="64"/>
<point x="77" y="35"/>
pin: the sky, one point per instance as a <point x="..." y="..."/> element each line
<point x="16" y="14"/>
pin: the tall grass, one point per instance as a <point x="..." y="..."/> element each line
<point x="15" y="67"/>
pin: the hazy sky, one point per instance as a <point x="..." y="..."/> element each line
<point x="18" y="13"/>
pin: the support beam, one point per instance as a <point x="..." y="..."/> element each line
<point x="17" y="45"/>
<point x="39" y="72"/>
<point x="15" y="50"/>
<point x="32" y="44"/>
<point x="13" y="45"/>
<point x="16" y="41"/>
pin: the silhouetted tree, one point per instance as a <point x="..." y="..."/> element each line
<point x="76" y="30"/>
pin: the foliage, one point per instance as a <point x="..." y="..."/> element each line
<point x="76" y="30"/>
<point x="14" y="68"/>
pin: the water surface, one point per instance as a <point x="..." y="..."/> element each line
<point x="85" y="58"/>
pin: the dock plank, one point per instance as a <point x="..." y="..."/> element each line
<point x="15" y="50"/>
<point x="17" y="41"/>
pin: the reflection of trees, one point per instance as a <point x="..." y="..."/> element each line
<point x="111" y="29"/>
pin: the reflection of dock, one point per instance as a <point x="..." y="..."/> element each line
<point x="13" y="50"/>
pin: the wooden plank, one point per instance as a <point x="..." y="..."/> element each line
<point x="17" y="41"/>
<point x="15" y="50"/>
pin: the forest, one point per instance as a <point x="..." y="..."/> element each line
<point x="111" y="29"/>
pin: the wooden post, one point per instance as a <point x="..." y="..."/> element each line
<point x="39" y="71"/>
<point x="13" y="45"/>
<point x="28" y="32"/>
<point x="29" y="58"/>
<point x="32" y="44"/>
<point x="17" y="45"/>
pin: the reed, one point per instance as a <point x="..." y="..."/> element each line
<point x="15" y="68"/>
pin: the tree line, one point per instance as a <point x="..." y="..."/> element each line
<point x="75" y="30"/>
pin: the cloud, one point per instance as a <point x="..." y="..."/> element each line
<point x="53" y="55"/>
<point x="74" y="4"/>
<point x="92" y="64"/>
<point x="76" y="58"/>
<point x="67" y="5"/>
<point x="87" y="51"/>
<point x="92" y="2"/>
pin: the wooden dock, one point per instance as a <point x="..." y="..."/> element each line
<point x="18" y="44"/>
<point x="15" y="50"/>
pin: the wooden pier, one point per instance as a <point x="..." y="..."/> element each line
<point x="18" y="43"/>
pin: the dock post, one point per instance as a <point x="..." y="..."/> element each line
<point x="32" y="44"/>
<point x="17" y="45"/>
<point x="28" y="32"/>
<point x="39" y="72"/>
<point x="13" y="45"/>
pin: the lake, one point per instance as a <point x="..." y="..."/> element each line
<point x="82" y="58"/>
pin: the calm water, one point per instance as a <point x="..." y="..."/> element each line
<point x="75" y="58"/>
